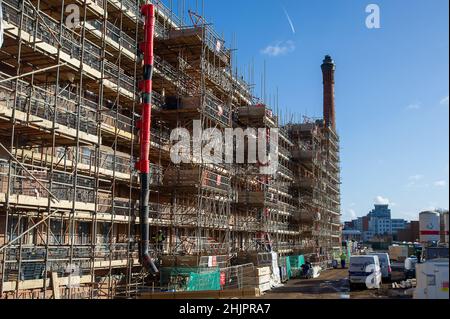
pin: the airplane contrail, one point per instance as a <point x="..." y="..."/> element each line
<point x="289" y="20"/>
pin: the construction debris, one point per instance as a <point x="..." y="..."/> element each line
<point x="410" y="283"/>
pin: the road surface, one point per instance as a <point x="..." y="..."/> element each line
<point x="332" y="284"/>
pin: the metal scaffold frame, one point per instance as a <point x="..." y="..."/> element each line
<point x="71" y="135"/>
<point x="65" y="156"/>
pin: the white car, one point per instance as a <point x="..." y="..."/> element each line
<point x="365" y="271"/>
<point x="385" y="264"/>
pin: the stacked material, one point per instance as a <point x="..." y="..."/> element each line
<point x="262" y="278"/>
<point x="398" y="253"/>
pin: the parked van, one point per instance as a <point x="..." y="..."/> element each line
<point x="432" y="280"/>
<point x="365" y="271"/>
<point x="385" y="264"/>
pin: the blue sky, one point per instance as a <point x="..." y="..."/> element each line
<point x="391" y="87"/>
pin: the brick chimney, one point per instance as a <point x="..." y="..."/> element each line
<point x="329" y="114"/>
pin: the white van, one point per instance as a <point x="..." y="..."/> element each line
<point x="365" y="271"/>
<point x="432" y="280"/>
<point x="385" y="264"/>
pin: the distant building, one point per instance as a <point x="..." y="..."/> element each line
<point x="381" y="211"/>
<point x="410" y="233"/>
<point x="365" y="223"/>
<point x="348" y="235"/>
<point x="398" y="224"/>
<point x="368" y="235"/>
<point x="380" y="225"/>
<point x="377" y="224"/>
<point x="349" y="225"/>
<point x="361" y="224"/>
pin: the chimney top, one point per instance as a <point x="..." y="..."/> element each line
<point x="328" y="61"/>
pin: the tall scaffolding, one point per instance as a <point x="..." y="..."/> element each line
<point x="69" y="137"/>
<point x="70" y="129"/>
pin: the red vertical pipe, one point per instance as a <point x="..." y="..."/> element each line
<point x="146" y="86"/>
<point x="148" y="11"/>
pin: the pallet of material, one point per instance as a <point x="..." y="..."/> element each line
<point x="265" y="287"/>
<point x="398" y="253"/>
<point x="262" y="271"/>
<point x="262" y="278"/>
<point x="252" y="111"/>
<point x="186" y="32"/>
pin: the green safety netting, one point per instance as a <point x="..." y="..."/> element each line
<point x="297" y="261"/>
<point x="288" y="268"/>
<point x="205" y="281"/>
<point x="190" y="279"/>
<point x="294" y="265"/>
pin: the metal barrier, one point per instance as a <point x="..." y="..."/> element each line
<point x="238" y="277"/>
<point x="31" y="259"/>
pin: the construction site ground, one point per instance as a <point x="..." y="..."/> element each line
<point x="333" y="284"/>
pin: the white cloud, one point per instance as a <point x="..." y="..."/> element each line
<point x="440" y="184"/>
<point x="380" y="200"/>
<point x="416" y="177"/>
<point x="352" y="213"/>
<point x="445" y="100"/>
<point x="281" y="48"/>
<point x="414" y="106"/>
<point x="349" y="214"/>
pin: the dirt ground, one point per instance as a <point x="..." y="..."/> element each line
<point x="333" y="284"/>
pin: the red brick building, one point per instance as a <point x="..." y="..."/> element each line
<point x="410" y="234"/>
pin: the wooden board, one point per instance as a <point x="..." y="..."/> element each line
<point x="55" y="286"/>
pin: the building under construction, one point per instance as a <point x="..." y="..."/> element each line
<point x="71" y="108"/>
